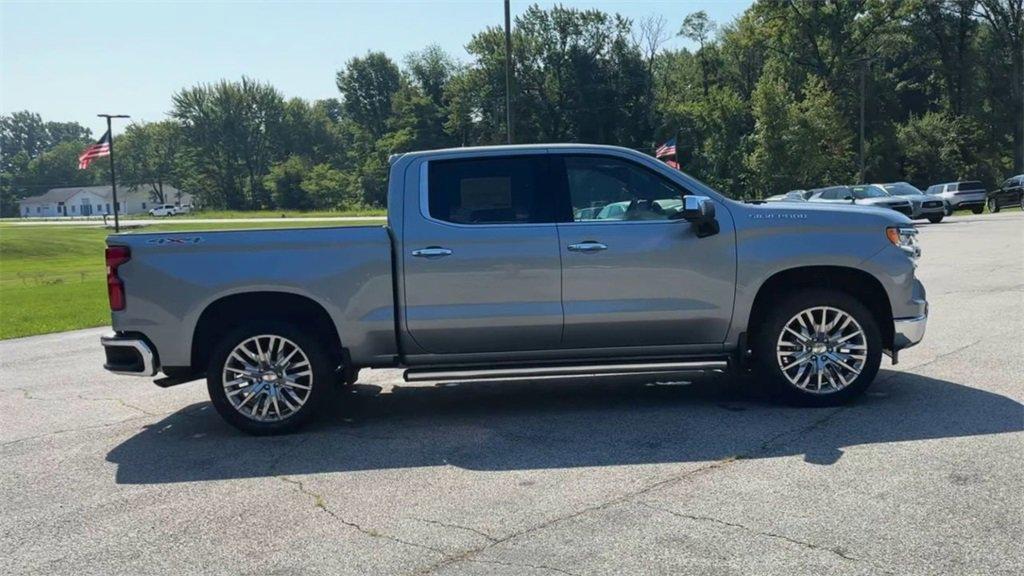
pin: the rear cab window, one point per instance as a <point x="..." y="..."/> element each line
<point x="492" y="190"/>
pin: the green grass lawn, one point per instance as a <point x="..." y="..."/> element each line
<point x="53" y="278"/>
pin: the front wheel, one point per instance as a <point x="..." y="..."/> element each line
<point x="935" y="218"/>
<point x="993" y="205"/>
<point x="268" y="377"/>
<point x="819" y="347"/>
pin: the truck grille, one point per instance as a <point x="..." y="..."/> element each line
<point x="901" y="208"/>
<point x="936" y="204"/>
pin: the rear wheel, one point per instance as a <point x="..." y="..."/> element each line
<point x="819" y="348"/>
<point x="978" y="209"/>
<point x="269" y="377"/>
<point x="935" y="218"/>
<point x="993" y="205"/>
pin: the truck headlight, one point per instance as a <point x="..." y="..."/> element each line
<point x="904" y="238"/>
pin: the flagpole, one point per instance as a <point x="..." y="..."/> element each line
<point x="113" y="178"/>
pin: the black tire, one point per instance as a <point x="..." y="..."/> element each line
<point x="977" y="209"/>
<point x="993" y="205"/>
<point x="321" y="382"/>
<point x="935" y="218"/>
<point x="767" y="335"/>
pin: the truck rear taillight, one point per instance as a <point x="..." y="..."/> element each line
<point x="116" y="255"/>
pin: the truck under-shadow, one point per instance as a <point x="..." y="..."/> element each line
<point x="518" y="425"/>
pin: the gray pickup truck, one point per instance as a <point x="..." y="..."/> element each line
<point x="501" y="262"/>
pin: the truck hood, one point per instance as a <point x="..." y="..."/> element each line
<point x="794" y="210"/>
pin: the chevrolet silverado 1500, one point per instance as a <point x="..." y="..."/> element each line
<point x="503" y="262"/>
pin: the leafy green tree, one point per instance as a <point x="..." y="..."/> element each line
<point x="368" y="85"/>
<point x="330" y="189"/>
<point x="285" y="184"/>
<point x="147" y="155"/>
<point x="25" y="131"/>
<point x="233" y="130"/>
<point x="938" y="146"/>
<point x="700" y="28"/>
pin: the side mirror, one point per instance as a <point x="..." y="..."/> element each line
<point x="698" y="209"/>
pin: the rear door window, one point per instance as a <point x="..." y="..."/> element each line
<point x="505" y="190"/>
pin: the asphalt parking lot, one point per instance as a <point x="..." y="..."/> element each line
<point x="108" y="475"/>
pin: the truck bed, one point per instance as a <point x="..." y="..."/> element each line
<point x="173" y="276"/>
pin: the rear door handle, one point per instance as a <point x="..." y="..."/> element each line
<point x="432" y="252"/>
<point x="588" y="246"/>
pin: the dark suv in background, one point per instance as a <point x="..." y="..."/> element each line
<point x="960" y="195"/>
<point x="1010" y="193"/>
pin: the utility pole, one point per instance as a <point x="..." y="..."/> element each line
<point x="863" y="70"/>
<point x="508" y="72"/>
<point x="113" y="178"/>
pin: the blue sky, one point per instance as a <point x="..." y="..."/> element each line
<point x="69" y="61"/>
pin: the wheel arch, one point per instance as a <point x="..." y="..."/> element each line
<point x="227" y="312"/>
<point x="855" y="282"/>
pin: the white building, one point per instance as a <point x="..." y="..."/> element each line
<point x="96" y="201"/>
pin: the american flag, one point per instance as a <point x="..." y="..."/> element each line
<point x="666" y="149"/>
<point x="97" y="150"/>
<point x="667" y="153"/>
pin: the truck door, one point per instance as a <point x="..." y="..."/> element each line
<point x="631" y="274"/>
<point x="480" y="256"/>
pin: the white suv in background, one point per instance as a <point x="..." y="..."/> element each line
<point x="960" y="195"/>
<point x="163" y="210"/>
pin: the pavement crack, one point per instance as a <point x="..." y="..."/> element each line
<point x="117" y="401"/>
<point x="458" y="527"/>
<point x="67" y="430"/>
<point x="932" y="361"/>
<point x="28" y="395"/>
<point x="520" y="565"/>
<point x="467" y="555"/>
<point x="709" y="519"/>
<point x="321" y="504"/>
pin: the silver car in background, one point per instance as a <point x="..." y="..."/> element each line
<point x="791" y="196"/>
<point x="960" y="195"/>
<point x="861" y="195"/>
<point x="923" y="205"/>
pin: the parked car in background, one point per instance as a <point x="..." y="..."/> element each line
<point x="960" y="195"/>
<point x="163" y="210"/>
<point x="1010" y="193"/>
<point x="923" y="205"/>
<point x="791" y="196"/>
<point x="863" y="195"/>
<point x="637" y="210"/>
<point x="183" y="209"/>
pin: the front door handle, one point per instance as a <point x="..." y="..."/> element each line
<point x="588" y="246"/>
<point x="432" y="252"/>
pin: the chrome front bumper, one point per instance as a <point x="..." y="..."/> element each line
<point x="908" y="331"/>
<point x="128" y="355"/>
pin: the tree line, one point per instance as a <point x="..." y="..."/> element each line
<point x="769" y="102"/>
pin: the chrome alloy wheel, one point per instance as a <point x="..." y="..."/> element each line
<point x="267" y="378"/>
<point x="822" y="350"/>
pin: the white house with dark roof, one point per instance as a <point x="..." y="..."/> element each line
<point x="80" y="201"/>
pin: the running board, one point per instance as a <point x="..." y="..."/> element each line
<point x="477" y="373"/>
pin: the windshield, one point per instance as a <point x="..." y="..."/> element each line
<point x="861" y="192"/>
<point x="901" y="189"/>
